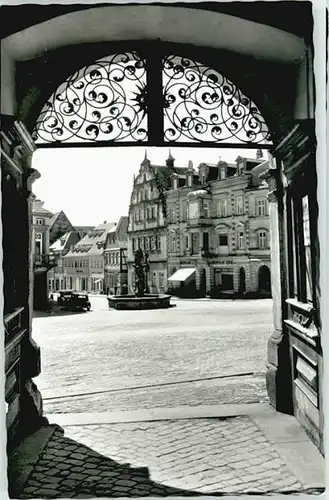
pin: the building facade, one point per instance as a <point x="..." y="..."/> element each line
<point x="218" y="227"/>
<point x="115" y="259"/>
<point x="57" y="278"/>
<point x="147" y="222"/>
<point x="84" y="263"/>
<point x="42" y="260"/>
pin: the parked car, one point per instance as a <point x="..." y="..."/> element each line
<point x="73" y="300"/>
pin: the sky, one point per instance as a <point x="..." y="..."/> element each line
<point x="92" y="185"/>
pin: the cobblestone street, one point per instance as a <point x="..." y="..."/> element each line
<point x="194" y="456"/>
<point x="171" y="403"/>
<point x="196" y="341"/>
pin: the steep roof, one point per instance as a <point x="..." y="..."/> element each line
<point x="37" y="208"/>
<point x="93" y="242"/>
<point x="60" y="243"/>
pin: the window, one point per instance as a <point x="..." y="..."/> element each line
<point x="223" y="240"/>
<point x="262" y="239"/>
<point x="158" y="242"/>
<point x="185" y="210"/>
<point x="117" y="258"/>
<point x="154" y="212"/>
<point x="195" y="243"/>
<point x="205" y="209"/>
<point x="154" y="277"/>
<point x="240" y="239"/>
<point x="133" y="244"/>
<point x="172" y="242"/>
<point x="239" y="205"/>
<point x="146" y="243"/>
<point x="40" y="222"/>
<point x="172" y="214"/>
<point x="205" y="242"/>
<point x="161" y="280"/>
<point x="222" y="173"/>
<point x="193" y="210"/>
<point x="222" y="208"/>
<point x="186" y="242"/>
<point x="152" y="242"/>
<point x="261" y="206"/>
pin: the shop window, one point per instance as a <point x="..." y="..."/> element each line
<point x="227" y="282"/>
<point x="300" y="209"/>
<point x="223" y="240"/>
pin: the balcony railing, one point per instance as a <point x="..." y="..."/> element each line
<point x="47" y="260"/>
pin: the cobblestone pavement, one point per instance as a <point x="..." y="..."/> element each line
<point x="104" y="349"/>
<point x="175" y="457"/>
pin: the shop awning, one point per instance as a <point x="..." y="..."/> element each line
<point x="182" y="274"/>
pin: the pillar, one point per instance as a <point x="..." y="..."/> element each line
<point x="278" y="374"/>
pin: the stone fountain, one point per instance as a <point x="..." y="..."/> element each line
<point x="141" y="299"/>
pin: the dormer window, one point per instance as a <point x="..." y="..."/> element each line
<point x="222" y="172"/>
<point x="40" y="222"/>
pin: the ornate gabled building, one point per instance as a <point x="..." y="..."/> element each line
<point x="218" y="230"/>
<point x="147" y="220"/>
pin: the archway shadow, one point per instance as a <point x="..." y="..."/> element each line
<point x="68" y="469"/>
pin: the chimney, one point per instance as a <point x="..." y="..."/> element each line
<point x="259" y="154"/>
<point x="105" y="222"/>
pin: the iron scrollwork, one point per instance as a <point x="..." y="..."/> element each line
<point x="104" y="101"/>
<point x="201" y="105"/>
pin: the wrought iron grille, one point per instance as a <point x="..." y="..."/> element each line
<point x="202" y="105"/>
<point x="119" y="99"/>
<point x="106" y="101"/>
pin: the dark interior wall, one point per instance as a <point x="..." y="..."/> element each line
<point x="272" y="86"/>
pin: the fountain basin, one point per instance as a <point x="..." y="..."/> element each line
<point x="147" y="301"/>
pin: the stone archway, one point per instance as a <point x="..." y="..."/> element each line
<point x="30" y="91"/>
<point x="264" y="280"/>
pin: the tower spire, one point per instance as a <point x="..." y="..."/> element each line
<point x="170" y="160"/>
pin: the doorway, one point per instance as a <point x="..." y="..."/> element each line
<point x="264" y="280"/>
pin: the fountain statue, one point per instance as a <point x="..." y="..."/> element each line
<point x="142" y="298"/>
<point x="141" y="267"/>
